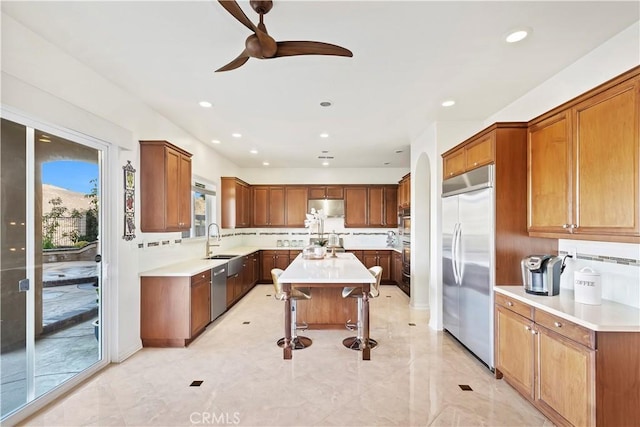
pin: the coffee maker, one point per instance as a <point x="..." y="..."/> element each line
<point x="541" y="274"/>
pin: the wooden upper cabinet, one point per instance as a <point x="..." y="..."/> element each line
<point x="549" y="173"/>
<point x="404" y="192"/>
<point x="165" y="187"/>
<point x="583" y="166"/>
<point x="371" y="206"/>
<point x="268" y="206"/>
<point x="606" y="155"/>
<point x="326" y="192"/>
<point x="356" y="207"/>
<point x="469" y="155"/>
<point x="235" y="202"/>
<point x="296" y="206"/>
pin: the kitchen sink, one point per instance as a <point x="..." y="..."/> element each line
<point x="221" y="257"/>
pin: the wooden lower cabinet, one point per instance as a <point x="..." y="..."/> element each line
<point x="573" y="375"/>
<point x="239" y="284"/>
<point x="271" y="259"/>
<point x="371" y="258"/>
<point x="397" y="267"/>
<point x="174" y="310"/>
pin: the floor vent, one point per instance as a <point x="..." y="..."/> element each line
<point x="196" y="383"/>
<point x="465" y="387"/>
<point x="268" y="295"/>
<point x="412" y="324"/>
<point x="388" y="296"/>
<point x="245" y="323"/>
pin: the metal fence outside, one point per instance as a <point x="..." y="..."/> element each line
<point x="66" y="232"/>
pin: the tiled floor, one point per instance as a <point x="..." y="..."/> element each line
<point x="412" y="379"/>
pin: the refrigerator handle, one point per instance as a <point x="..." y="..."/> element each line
<point x="459" y="254"/>
<point x="454" y="250"/>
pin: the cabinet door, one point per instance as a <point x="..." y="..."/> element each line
<point x="184" y="193"/>
<point x="370" y="258"/>
<point x="549" y="174"/>
<point x="296" y="206"/>
<point x="355" y="207"/>
<point x="391" y="207"/>
<point x="173" y="189"/>
<point x="566" y="378"/>
<point x="267" y="262"/>
<point x="514" y="350"/>
<point x="260" y="206"/>
<point x="606" y="152"/>
<point x="200" y="304"/>
<point x="376" y="207"/>
<point x="243" y="210"/>
<point x="276" y="207"/>
<point x="335" y="192"/>
<point x="397" y="268"/>
<point x="282" y="259"/>
<point x="358" y="254"/>
<point x="480" y="152"/>
<point x="454" y="163"/>
<point x="384" y="261"/>
<point x="317" y="192"/>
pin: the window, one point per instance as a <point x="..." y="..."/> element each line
<point x="203" y="208"/>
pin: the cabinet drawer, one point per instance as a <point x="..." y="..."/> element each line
<point x="514" y="305"/>
<point x="566" y="328"/>
<point x="205" y="276"/>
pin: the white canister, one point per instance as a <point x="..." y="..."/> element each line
<point x="587" y="286"/>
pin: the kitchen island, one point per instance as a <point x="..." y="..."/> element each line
<point x="326" y="277"/>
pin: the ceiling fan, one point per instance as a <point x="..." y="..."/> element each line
<point x="262" y="46"/>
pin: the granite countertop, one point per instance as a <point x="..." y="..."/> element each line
<point x="344" y="268"/>
<point x="606" y="317"/>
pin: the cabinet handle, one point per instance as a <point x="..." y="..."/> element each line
<point x="565" y="226"/>
<point x="527" y="327"/>
<point x="533" y="332"/>
<point x="509" y="303"/>
<point x="475" y="163"/>
<point x="557" y="324"/>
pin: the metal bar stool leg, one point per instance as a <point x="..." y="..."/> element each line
<point x="297" y="342"/>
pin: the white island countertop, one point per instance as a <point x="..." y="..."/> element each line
<point x="345" y="268"/>
<point x="606" y="317"/>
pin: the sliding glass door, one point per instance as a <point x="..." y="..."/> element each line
<point x="50" y="261"/>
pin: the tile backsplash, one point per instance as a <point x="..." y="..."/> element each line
<point x="617" y="263"/>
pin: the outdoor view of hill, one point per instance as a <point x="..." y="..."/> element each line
<point x="70" y="199"/>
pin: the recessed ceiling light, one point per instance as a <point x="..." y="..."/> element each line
<point x="325" y="163"/>
<point x="517" y="34"/>
<point x="448" y="103"/>
<point x="324" y="135"/>
<point x="254" y="151"/>
<point x="325" y="104"/>
<point x="215" y="141"/>
<point x="205" y="104"/>
<point x="265" y="163"/>
<point x="236" y="135"/>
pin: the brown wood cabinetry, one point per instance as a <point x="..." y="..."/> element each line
<point x="470" y="155"/>
<point x="272" y="259"/>
<point x="165" y="187"/>
<point x="404" y="192"/>
<point x="582" y="184"/>
<point x="239" y="284"/>
<point x="268" y="206"/>
<point x="371" y="206"/>
<point x="235" y="203"/>
<point x="174" y="310"/>
<point x="296" y="205"/>
<point x="565" y="369"/>
<point x="371" y="258"/>
<point x="326" y="192"/>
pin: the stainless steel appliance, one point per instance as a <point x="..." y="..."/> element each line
<point x="541" y="274"/>
<point x="468" y="260"/>
<point x="330" y="207"/>
<point x="404" y="224"/>
<point x="405" y="285"/>
<point x="218" y="291"/>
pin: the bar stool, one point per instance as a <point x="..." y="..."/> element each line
<point x="297" y="342"/>
<point x="356" y="343"/>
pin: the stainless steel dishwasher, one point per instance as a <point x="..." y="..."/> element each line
<point x="218" y="291"/>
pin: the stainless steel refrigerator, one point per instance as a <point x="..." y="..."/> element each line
<point x="468" y="224"/>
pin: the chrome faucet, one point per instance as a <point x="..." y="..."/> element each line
<point x="217" y="237"/>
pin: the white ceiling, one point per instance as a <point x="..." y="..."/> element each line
<point x="408" y="57"/>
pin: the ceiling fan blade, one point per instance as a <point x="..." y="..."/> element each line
<point x="234" y="9"/>
<point x="238" y="62"/>
<point x="293" y="48"/>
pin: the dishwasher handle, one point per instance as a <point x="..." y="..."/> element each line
<point x="219" y="272"/>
